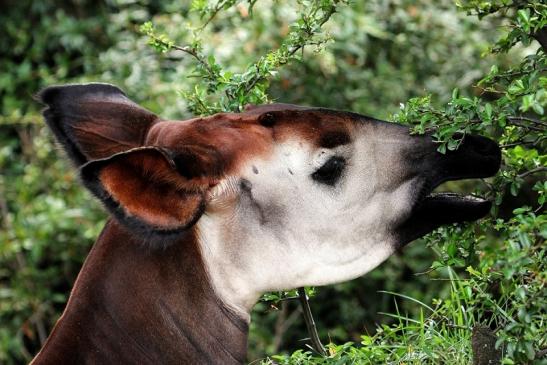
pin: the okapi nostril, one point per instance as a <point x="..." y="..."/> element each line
<point x="477" y="157"/>
<point x="482" y="146"/>
<point x="485" y="146"/>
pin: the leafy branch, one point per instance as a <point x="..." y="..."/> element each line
<point x="208" y="11"/>
<point x="226" y="91"/>
<point x="512" y="110"/>
<point x="509" y="106"/>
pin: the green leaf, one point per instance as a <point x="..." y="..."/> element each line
<point x="516" y="87"/>
<point x="529" y="349"/>
<point x="488" y="111"/>
<point x="451" y="249"/>
<point x="437" y="265"/>
<point x="537" y="108"/>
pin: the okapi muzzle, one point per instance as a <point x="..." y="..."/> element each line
<point x="209" y="213"/>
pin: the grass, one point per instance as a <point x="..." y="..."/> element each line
<point x="440" y="334"/>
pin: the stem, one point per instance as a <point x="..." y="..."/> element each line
<point x="541" y="353"/>
<point x="279" y="326"/>
<point x="530" y="120"/>
<point x="533" y="171"/>
<point x="310" y="323"/>
<point x="191" y="51"/>
<point x="507" y="75"/>
<point x="517" y="122"/>
<point x="291" y="52"/>
<point x="321" y="22"/>
<point x="284" y="322"/>
<point x="214" y="13"/>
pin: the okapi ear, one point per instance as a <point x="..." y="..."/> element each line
<point x="145" y="189"/>
<point x="94" y="121"/>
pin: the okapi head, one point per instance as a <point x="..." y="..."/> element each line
<point x="278" y="196"/>
<point x="325" y="195"/>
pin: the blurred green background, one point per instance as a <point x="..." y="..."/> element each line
<point x="384" y="53"/>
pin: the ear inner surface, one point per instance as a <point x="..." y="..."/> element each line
<point x="94" y="121"/>
<point x="143" y="185"/>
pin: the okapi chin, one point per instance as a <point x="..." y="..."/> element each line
<point x="209" y="213"/>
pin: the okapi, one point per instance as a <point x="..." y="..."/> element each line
<point x="209" y="213"/>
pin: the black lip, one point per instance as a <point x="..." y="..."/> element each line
<point x="451" y="207"/>
<point x="441" y="208"/>
<point x="479" y="158"/>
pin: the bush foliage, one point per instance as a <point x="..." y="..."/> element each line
<point x="444" y="68"/>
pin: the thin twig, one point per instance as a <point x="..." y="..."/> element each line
<point x="24" y="121"/>
<point x="214" y="13"/>
<point x="533" y="171"/>
<point x="530" y="120"/>
<point x="517" y="73"/>
<point x="541" y="353"/>
<point x="279" y="326"/>
<point x="322" y="21"/>
<point x="292" y="51"/>
<point x="283" y="323"/>
<point x="310" y="323"/>
<point x="191" y="51"/>
<point x="517" y="122"/>
<point x="518" y="142"/>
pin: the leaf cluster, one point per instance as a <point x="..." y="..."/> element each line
<point x="223" y="90"/>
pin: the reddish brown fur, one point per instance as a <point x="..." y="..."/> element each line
<point x="138" y="304"/>
<point x="239" y="136"/>
<point x="234" y="136"/>
<point x="164" y="198"/>
<point x="211" y="147"/>
<point x="132" y="305"/>
<point x="144" y="295"/>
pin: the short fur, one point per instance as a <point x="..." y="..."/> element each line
<point x="209" y="213"/>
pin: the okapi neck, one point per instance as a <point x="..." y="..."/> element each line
<point x="135" y="305"/>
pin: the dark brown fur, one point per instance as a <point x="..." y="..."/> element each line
<point x="133" y="305"/>
<point x="143" y="296"/>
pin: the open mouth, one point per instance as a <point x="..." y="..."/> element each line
<point x="436" y="209"/>
<point x="452" y="207"/>
<point x="479" y="158"/>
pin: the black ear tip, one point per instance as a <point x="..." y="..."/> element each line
<point x="47" y="95"/>
<point x="51" y="94"/>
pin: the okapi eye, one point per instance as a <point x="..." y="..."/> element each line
<point x="330" y="172"/>
<point x="267" y="120"/>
